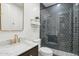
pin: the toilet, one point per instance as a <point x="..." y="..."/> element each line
<point x="45" y="51"/>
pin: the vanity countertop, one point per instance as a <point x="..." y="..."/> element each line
<point x="17" y="49"/>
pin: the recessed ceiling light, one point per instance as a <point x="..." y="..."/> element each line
<point x="58" y="5"/>
<point x="76" y="4"/>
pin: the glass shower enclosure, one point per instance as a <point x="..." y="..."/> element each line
<point x="60" y="27"/>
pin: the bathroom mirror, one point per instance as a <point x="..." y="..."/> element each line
<point x="12" y="16"/>
<point x="0" y="16"/>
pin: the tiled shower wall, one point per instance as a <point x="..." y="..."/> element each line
<point x="65" y="31"/>
<point x="76" y="29"/>
<point x="43" y="30"/>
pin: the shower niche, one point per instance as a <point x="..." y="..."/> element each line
<point x="11" y="16"/>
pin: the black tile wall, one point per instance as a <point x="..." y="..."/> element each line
<point x="76" y="29"/>
<point x="65" y="34"/>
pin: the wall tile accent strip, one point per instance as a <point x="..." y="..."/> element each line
<point x="65" y="34"/>
<point x="75" y="29"/>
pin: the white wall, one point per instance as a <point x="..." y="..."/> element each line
<point x="30" y="11"/>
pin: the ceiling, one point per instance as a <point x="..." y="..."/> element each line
<point x="48" y="4"/>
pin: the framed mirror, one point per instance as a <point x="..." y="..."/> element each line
<point x="0" y="16"/>
<point x="12" y="16"/>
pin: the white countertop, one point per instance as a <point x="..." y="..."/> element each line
<point x="16" y="49"/>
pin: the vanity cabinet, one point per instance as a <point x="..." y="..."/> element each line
<point x="31" y="52"/>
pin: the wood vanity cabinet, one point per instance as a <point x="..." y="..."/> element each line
<point x="31" y="52"/>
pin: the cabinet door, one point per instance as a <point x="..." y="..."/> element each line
<point x="12" y="16"/>
<point x="31" y="52"/>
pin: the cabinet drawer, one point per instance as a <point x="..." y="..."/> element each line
<point x="31" y="52"/>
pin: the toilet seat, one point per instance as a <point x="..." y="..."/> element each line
<point x="45" y="51"/>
